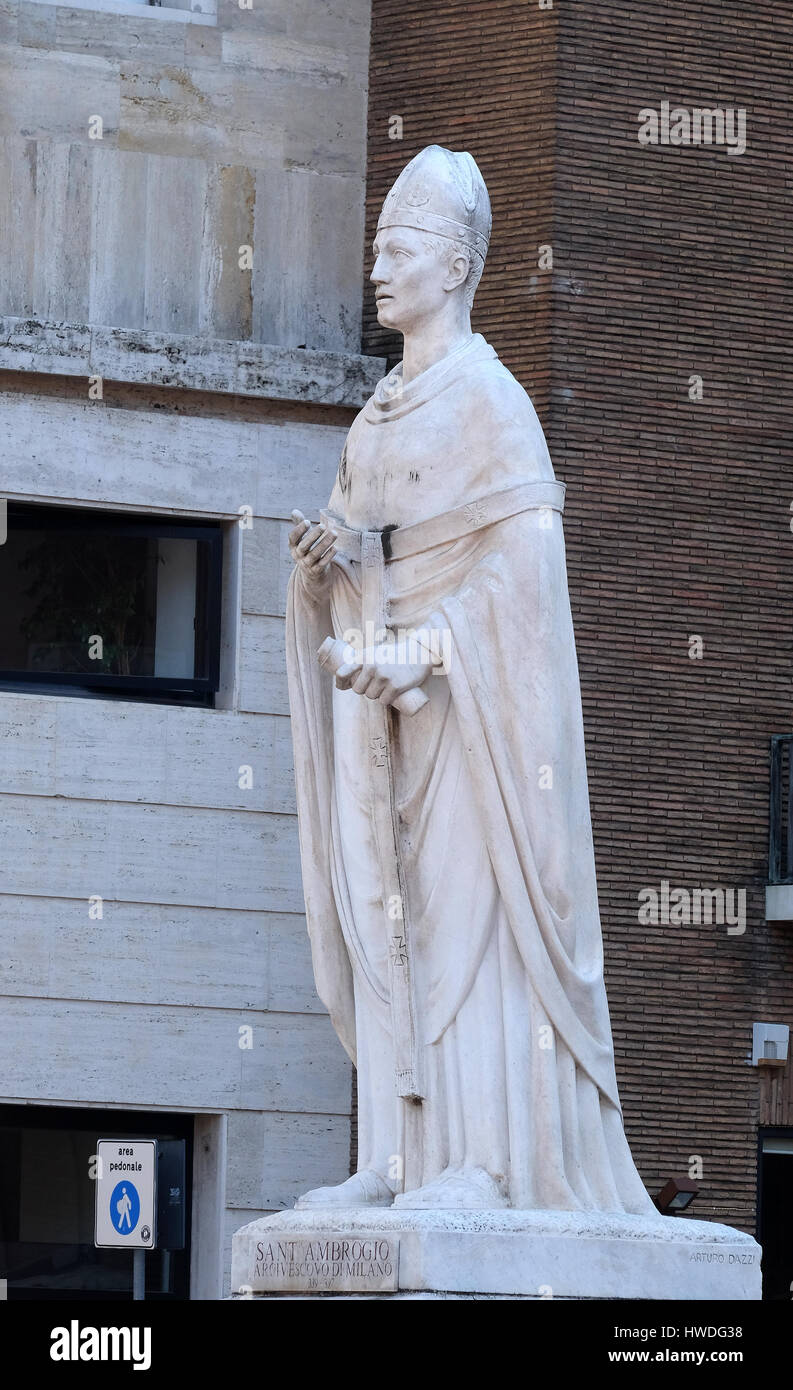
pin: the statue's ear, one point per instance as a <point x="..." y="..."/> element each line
<point x="457" y="270"/>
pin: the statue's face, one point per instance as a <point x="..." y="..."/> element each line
<point x="412" y="281"/>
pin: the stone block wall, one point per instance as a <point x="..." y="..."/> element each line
<point x="140" y="151"/>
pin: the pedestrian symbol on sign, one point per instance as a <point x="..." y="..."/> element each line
<point x="125" y="1212"/>
<point x="124" y="1207"/>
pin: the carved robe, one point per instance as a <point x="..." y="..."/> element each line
<point x="490" y="803"/>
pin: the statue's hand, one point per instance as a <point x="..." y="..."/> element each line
<point x="312" y="548"/>
<point x="383" y="673"/>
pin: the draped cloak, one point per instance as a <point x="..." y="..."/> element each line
<point x="491" y="809"/>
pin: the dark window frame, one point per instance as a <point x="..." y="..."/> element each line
<point x="198" y="689"/>
<point x="104" y="1123"/>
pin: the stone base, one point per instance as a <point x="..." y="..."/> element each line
<point x="384" y="1252"/>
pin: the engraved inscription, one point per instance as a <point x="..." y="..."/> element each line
<point x="325" y="1263"/>
<point x="720" y="1257"/>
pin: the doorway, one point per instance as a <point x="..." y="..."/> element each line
<point x="775" y="1212"/>
<point x="47" y="1246"/>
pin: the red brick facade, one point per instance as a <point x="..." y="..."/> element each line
<point x="669" y="263"/>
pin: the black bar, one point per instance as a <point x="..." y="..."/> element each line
<point x="774" y="847"/>
<point x="788" y="865"/>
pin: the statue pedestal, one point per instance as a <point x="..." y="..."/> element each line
<point x="382" y="1252"/>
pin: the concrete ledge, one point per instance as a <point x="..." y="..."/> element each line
<point x="779" y="902"/>
<point x="187" y="362"/>
<point x="135" y="8"/>
<point x="508" y="1253"/>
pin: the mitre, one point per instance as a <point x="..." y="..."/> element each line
<point x="442" y="192"/>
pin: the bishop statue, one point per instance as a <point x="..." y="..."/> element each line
<point x="444" y="817"/>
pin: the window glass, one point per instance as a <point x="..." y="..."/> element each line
<point x="47" y="1246"/>
<point x="109" y="599"/>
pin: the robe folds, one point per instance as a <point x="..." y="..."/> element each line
<point x="491" y="810"/>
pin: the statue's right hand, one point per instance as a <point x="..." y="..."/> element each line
<point x="312" y="549"/>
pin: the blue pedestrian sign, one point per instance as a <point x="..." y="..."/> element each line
<point x="124" y="1207"/>
<point x="126" y="1194"/>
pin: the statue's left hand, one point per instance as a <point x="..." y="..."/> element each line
<point x="312" y="548"/>
<point x="383" y="680"/>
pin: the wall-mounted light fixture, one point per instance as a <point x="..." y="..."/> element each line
<point x="677" y="1194"/>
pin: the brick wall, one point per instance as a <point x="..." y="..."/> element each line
<point x="669" y="262"/>
<point x="479" y="77"/>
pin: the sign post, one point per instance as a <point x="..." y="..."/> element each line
<point x="126" y="1201"/>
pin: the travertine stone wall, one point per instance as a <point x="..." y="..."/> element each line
<point x="140" y="151"/>
<point x="202" y="934"/>
<point x="248" y="131"/>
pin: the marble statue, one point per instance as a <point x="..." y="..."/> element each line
<point x="446" y="840"/>
<point x="442" y="794"/>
